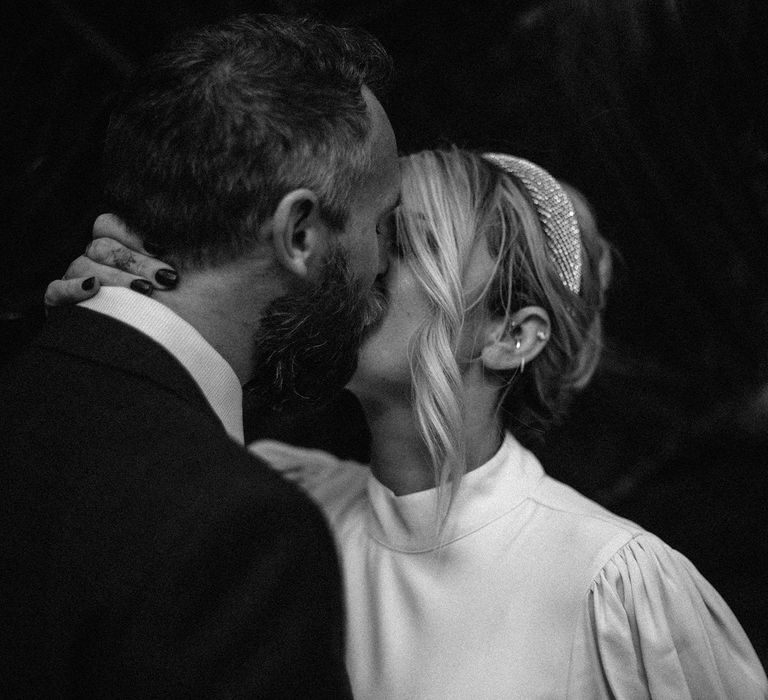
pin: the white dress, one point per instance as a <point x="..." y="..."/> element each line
<point x="536" y="592"/>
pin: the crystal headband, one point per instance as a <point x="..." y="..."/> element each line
<point x="556" y="214"/>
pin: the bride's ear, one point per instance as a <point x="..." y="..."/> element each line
<point x="515" y="341"/>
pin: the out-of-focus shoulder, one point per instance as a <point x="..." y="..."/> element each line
<point x="328" y="480"/>
<point x="287" y="458"/>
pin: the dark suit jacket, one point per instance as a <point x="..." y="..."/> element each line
<point x="145" y="554"/>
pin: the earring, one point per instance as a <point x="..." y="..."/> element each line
<point x="541" y="335"/>
<point x="518" y="344"/>
<point x="522" y="364"/>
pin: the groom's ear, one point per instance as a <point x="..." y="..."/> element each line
<point x="299" y="235"/>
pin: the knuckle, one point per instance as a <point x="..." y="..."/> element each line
<point x="99" y="250"/>
<point x="123" y="259"/>
<point x="52" y="293"/>
<point x="103" y="221"/>
<point x="76" y="268"/>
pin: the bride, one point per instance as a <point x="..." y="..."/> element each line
<point x="469" y="573"/>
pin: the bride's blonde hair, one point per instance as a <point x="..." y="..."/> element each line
<point x="451" y="199"/>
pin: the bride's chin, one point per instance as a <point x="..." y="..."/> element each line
<point x="362" y="382"/>
<point x="355" y="384"/>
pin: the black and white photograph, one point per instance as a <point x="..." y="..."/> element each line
<point x="384" y="350"/>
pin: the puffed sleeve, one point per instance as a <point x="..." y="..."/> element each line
<point x="653" y="627"/>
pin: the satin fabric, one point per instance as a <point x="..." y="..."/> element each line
<point x="531" y="591"/>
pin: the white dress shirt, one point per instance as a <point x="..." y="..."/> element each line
<point x="536" y="592"/>
<point x="209" y="370"/>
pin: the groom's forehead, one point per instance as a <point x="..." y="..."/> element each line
<point x="377" y="187"/>
<point x="383" y="146"/>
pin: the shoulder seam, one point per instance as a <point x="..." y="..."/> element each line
<point x="619" y="522"/>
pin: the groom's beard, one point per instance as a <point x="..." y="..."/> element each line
<point x="307" y="343"/>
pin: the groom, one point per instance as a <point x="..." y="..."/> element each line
<point x="144" y="552"/>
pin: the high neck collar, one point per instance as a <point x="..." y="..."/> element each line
<point x="408" y="523"/>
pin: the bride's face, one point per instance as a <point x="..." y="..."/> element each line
<point x="384" y="367"/>
<point x="383" y="362"/>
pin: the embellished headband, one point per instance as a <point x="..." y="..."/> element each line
<point x="556" y="214"/>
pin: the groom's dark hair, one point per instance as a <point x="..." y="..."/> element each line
<point x="214" y="130"/>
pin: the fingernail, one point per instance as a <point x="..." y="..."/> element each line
<point x="87" y="285"/>
<point x="141" y="286"/>
<point x="167" y="277"/>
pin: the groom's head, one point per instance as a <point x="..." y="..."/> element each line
<point x="263" y="139"/>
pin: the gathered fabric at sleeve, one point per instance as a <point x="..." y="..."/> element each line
<point x="653" y="627"/>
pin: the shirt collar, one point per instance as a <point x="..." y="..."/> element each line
<point x="210" y="371"/>
<point x="408" y="523"/>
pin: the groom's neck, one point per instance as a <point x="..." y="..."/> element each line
<point x="224" y="304"/>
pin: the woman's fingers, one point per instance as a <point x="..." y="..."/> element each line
<point x="111" y="226"/>
<point x="71" y="291"/>
<point x="84" y="267"/>
<point x="115" y="245"/>
<point x="116" y="258"/>
<point x="113" y="254"/>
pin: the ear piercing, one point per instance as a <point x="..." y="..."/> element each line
<point x="540" y="335"/>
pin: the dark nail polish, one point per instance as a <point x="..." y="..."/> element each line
<point x="141" y="286"/>
<point x="167" y="277"/>
<point x="87" y="285"/>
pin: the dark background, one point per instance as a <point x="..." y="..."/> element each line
<point x="655" y="110"/>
